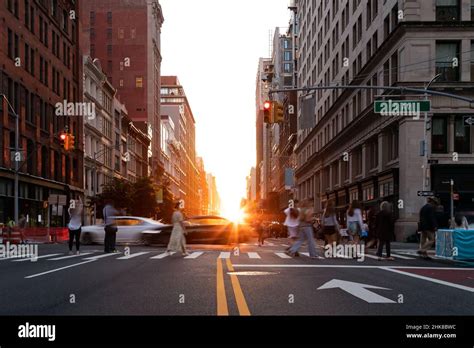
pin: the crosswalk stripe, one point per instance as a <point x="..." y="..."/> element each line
<point x="371" y="256"/>
<point x="307" y="254"/>
<point x="254" y="256"/>
<point x="224" y="255"/>
<point x="101" y="256"/>
<point x="285" y="245"/>
<point x="402" y="257"/>
<point x="270" y="244"/>
<point x="283" y="255"/>
<point x="131" y="256"/>
<point x="162" y="256"/>
<point x="39" y="257"/>
<point x="69" y="257"/>
<point x="195" y="255"/>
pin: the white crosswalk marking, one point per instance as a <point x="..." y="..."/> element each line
<point x="224" y="255"/>
<point x="195" y="255"/>
<point x="270" y="244"/>
<point x="307" y="254"/>
<point x="254" y="255"/>
<point x="283" y="255"/>
<point x="39" y="257"/>
<point x="162" y="256"/>
<point x="131" y="256"/>
<point x="403" y="257"/>
<point x="371" y="256"/>
<point x="69" y="257"/>
<point x="101" y="256"/>
<point x="285" y="245"/>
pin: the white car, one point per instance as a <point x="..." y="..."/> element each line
<point x="129" y="230"/>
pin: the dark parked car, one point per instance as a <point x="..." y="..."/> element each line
<point x="200" y="230"/>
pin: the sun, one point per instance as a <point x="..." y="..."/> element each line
<point x="236" y="216"/>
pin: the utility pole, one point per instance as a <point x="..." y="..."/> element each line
<point x="426" y="148"/>
<point x="17" y="162"/>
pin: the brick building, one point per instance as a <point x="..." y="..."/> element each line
<point x="40" y="66"/>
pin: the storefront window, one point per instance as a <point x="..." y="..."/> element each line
<point x="439" y="139"/>
<point x="462" y="136"/>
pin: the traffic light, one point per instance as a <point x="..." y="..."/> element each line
<point x="63" y="139"/>
<point x="71" y="142"/>
<point x="268" y="112"/>
<point x="278" y="113"/>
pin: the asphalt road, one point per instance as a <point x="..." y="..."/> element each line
<point x="239" y="280"/>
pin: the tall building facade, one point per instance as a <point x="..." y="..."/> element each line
<point x="262" y="129"/>
<point x="176" y="104"/>
<point x="214" y="198"/>
<point x="125" y="36"/>
<point x="346" y="151"/>
<point x="114" y="148"/>
<point x="40" y="71"/>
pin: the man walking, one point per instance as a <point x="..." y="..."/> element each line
<point x="109" y="213"/>
<point x="428" y="226"/>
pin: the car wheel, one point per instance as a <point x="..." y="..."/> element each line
<point x="86" y="239"/>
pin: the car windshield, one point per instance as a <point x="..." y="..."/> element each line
<point x="208" y="221"/>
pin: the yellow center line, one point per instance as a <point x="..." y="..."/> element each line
<point x="239" y="295"/>
<point x="221" y="297"/>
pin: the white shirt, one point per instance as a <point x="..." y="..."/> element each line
<point x="289" y="221"/>
<point x="76" y="218"/>
<point x="356" y="217"/>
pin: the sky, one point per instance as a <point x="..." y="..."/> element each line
<point x="213" y="46"/>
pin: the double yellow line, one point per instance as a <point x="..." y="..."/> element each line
<point x="222" y="308"/>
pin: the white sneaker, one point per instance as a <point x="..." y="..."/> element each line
<point x="78" y="252"/>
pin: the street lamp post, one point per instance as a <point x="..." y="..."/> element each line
<point x="17" y="163"/>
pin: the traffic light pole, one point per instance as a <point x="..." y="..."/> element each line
<point x="94" y="179"/>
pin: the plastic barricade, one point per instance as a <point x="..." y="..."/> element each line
<point x="455" y="244"/>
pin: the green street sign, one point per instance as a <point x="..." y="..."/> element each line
<point x="401" y="107"/>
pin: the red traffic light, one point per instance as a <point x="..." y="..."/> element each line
<point x="267" y="105"/>
<point x="63" y="136"/>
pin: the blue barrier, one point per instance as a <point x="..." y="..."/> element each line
<point x="455" y="244"/>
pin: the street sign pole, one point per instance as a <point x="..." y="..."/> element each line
<point x="452" y="200"/>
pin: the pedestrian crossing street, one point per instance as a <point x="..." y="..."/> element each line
<point x="266" y="255"/>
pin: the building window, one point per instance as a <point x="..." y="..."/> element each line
<point x="109" y="50"/>
<point x="109" y="33"/>
<point x="462" y="136"/>
<point x="439" y="138"/>
<point x="392" y="144"/>
<point x="386" y="27"/>
<point x="472" y="58"/>
<point x="287" y="67"/>
<point x="394" y="70"/>
<point x="139" y="82"/>
<point x="357" y="162"/>
<point x="109" y="18"/>
<point x="447" y="61"/>
<point x="373" y="154"/>
<point x="287" y="56"/>
<point x="447" y="10"/>
<point x="472" y="10"/>
<point x="121" y="33"/>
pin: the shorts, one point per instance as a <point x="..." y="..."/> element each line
<point x="354" y="228"/>
<point x="293" y="232"/>
<point x="329" y="230"/>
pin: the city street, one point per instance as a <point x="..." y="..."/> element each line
<point x="241" y="280"/>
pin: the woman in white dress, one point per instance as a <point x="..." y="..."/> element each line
<point x="177" y="239"/>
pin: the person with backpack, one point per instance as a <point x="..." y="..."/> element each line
<point x="354" y="221"/>
<point x="292" y="222"/>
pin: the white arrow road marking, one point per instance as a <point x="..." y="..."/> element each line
<point x="131" y="256"/>
<point x="68" y="257"/>
<point x="358" y="290"/>
<point x="195" y="255"/>
<point x="162" y="256"/>
<point x="58" y="269"/>
<point x="224" y="255"/>
<point x="39" y="257"/>
<point x="101" y="256"/>
<point x="254" y="256"/>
